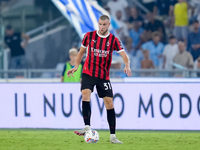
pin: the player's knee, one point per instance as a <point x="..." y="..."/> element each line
<point x="109" y="105"/>
<point x="85" y="96"/>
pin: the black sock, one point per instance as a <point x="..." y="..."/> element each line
<point x="111" y="120"/>
<point x="86" y="110"/>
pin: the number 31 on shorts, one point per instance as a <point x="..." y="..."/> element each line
<point x="107" y="86"/>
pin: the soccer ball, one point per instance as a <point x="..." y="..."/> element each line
<point x="91" y="136"/>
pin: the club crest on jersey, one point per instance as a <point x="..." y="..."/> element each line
<point x="108" y="43"/>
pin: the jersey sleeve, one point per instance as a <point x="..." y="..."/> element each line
<point x="85" y="41"/>
<point x="118" y="46"/>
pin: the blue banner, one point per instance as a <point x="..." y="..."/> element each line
<point x="82" y="14"/>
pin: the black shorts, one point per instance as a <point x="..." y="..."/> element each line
<point x="104" y="88"/>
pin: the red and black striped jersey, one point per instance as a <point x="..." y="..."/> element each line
<point x="99" y="53"/>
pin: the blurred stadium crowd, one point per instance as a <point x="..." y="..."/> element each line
<point x="168" y="32"/>
<point x="156" y="34"/>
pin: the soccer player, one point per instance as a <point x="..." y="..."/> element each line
<point x="100" y="45"/>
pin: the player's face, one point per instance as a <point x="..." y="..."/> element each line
<point x="103" y="26"/>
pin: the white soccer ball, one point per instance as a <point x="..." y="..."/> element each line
<point x="91" y="136"/>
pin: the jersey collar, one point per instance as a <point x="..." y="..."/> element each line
<point x="102" y="35"/>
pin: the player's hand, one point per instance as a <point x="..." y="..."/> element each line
<point x="127" y="70"/>
<point x="70" y="72"/>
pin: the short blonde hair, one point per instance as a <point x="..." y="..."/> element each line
<point x="73" y="51"/>
<point x="104" y="17"/>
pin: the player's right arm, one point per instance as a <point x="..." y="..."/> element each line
<point x="78" y="61"/>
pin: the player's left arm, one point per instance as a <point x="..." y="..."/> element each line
<point x="119" y="48"/>
<point x="126" y="60"/>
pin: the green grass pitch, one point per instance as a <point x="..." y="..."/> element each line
<point x="38" y="139"/>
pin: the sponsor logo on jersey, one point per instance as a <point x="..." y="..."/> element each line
<point x="100" y="53"/>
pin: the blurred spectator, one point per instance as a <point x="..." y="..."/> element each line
<point x="197" y="13"/>
<point x="155" y="25"/>
<point x="131" y="52"/>
<point x="112" y="18"/>
<point x="135" y="17"/>
<point x="116" y="5"/>
<point x="71" y="64"/>
<point x="193" y="7"/>
<point x="169" y="21"/>
<point x="143" y="39"/>
<point x="181" y="20"/>
<point x="169" y="52"/>
<point x="117" y="63"/>
<point x="161" y="8"/>
<point x="135" y="33"/>
<point x="194" y="41"/>
<point x="146" y="63"/>
<point x="13" y="41"/>
<point x="171" y="7"/>
<point x="155" y="48"/>
<point x="129" y="47"/>
<point x="196" y="72"/>
<point x="198" y="66"/>
<point x="183" y="57"/>
<point x="122" y="32"/>
<point x="149" y="4"/>
<point x="198" y="17"/>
